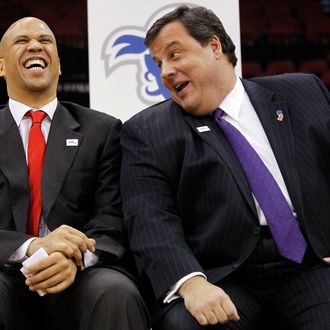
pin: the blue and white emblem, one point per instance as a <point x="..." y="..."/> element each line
<point x="125" y="46"/>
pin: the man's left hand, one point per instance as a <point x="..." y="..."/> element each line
<point x="52" y="274"/>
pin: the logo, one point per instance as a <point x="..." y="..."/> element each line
<point x="125" y="46"/>
<point x="279" y="114"/>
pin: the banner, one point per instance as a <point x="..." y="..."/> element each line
<point x="123" y="79"/>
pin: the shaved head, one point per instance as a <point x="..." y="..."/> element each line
<point x="29" y="61"/>
<point x="16" y="25"/>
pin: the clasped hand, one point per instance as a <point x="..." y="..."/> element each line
<point x="65" y="247"/>
<point x="52" y="274"/>
<point x="68" y="240"/>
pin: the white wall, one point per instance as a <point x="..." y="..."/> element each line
<point x="117" y="63"/>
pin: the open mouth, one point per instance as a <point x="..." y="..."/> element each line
<point x="35" y="64"/>
<point x="181" y="86"/>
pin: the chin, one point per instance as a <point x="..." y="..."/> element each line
<point x="190" y="110"/>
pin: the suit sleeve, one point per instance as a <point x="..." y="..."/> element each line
<point x="151" y="212"/>
<point x="106" y="223"/>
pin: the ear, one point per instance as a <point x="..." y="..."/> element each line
<point x="59" y="66"/>
<point x="2" y="68"/>
<point x="216" y="46"/>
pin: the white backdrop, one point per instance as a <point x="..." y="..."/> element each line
<point x="121" y="74"/>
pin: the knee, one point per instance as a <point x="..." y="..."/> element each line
<point x="118" y="297"/>
<point x="177" y="318"/>
<point x="112" y="285"/>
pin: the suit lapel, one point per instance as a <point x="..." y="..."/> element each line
<point x="215" y="138"/>
<point x="59" y="156"/>
<point x="279" y="134"/>
<point x="14" y="168"/>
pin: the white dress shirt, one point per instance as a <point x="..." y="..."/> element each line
<point x="239" y="111"/>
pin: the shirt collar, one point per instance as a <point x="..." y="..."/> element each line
<point x="231" y="105"/>
<point x="18" y="109"/>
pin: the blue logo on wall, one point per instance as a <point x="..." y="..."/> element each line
<point x="125" y="46"/>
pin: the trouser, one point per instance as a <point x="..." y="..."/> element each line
<point x="99" y="299"/>
<point x="269" y="292"/>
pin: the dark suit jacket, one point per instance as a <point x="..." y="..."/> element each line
<point x="187" y="205"/>
<point x="80" y="184"/>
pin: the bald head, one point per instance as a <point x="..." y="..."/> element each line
<point x="29" y="61"/>
<point x="16" y="26"/>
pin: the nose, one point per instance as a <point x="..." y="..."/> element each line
<point x="167" y="70"/>
<point x="34" y="45"/>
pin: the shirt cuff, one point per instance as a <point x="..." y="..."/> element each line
<point x="19" y="255"/>
<point x="90" y="259"/>
<point x="171" y="295"/>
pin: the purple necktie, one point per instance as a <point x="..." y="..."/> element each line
<point x="285" y="230"/>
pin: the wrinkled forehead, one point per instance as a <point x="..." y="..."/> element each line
<point x="29" y="26"/>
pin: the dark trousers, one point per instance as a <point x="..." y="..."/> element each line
<point x="269" y="292"/>
<point x="99" y="299"/>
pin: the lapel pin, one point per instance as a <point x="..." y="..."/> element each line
<point x="279" y="114"/>
<point x="72" y="142"/>
<point x="202" y="129"/>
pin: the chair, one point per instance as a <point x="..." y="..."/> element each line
<point x="326" y="79"/>
<point x="277" y="9"/>
<point x="283" y="31"/>
<point x="251" y="69"/>
<point x="313" y="20"/>
<point x="250" y="9"/>
<point x="251" y="30"/>
<point x="279" y="66"/>
<point x="308" y="9"/>
<point x="69" y="33"/>
<point x="318" y="32"/>
<point x="316" y="66"/>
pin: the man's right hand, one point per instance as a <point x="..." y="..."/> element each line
<point x="68" y="240"/>
<point x="207" y="303"/>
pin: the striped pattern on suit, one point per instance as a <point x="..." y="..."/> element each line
<point x="186" y="202"/>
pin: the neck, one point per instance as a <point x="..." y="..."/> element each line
<point x="229" y="81"/>
<point x="34" y="101"/>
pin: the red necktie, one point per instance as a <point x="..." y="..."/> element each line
<point x="36" y="152"/>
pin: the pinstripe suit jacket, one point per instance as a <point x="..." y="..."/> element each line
<point x="186" y="202"/>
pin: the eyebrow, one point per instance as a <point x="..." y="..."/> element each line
<point x="39" y="36"/>
<point x="167" y="46"/>
<point x="172" y="43"/>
